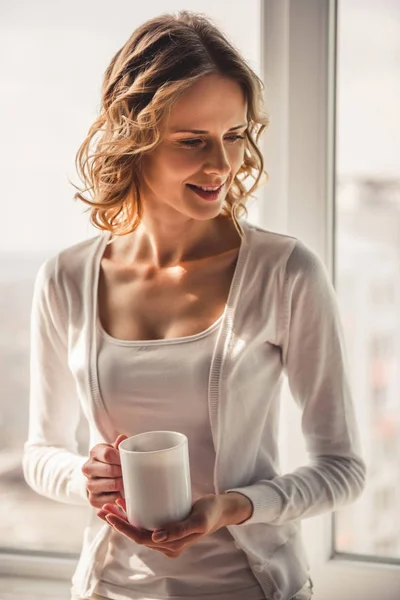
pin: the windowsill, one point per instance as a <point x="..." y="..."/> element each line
<point x="27" y="588"/>
<point x="337" y="578"/>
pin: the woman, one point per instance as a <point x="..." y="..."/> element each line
<point x="187" y="321"/>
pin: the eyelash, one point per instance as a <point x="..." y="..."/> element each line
<point x="190" y="144"/>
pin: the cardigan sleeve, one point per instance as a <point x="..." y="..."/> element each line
<point x="51" y="462"/>
<point x="315" y="361"/>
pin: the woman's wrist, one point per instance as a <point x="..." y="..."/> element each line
<point x="238" y="508"/>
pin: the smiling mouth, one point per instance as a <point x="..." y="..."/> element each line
<point x="205" y="188"/>
<point x="206" y="195"/>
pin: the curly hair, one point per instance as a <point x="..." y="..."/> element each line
<point x="163" y="57"/>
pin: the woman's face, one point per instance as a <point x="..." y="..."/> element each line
<point x="216" y="107"/>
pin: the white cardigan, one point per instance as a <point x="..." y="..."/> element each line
<point x="282" y="318"/>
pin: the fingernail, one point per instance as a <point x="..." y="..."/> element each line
<point x="160" y="536"/>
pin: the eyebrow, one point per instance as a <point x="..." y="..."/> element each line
<point x="204" y="131"/>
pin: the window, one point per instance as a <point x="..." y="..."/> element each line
<point x="311" y="66"/>
<point x="368" y="255"/>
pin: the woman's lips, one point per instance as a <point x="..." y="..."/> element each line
<point x="213" y="195"/>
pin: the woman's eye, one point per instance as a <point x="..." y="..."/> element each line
<point x="195" y="142"/>
<point x="190" y="142"/>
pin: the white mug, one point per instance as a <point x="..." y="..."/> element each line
<point x="156" y="477"/>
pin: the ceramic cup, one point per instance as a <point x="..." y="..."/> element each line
<point x="156" y="477"/>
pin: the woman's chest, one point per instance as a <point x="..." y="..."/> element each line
<point x="179" y="303"/>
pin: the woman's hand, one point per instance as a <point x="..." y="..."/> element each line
<point x="104" y="474"/>
<point x="209" y="513"/>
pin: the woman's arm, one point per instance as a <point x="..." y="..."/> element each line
<point x="51" y="463"/>
<point x="314" y="358"/>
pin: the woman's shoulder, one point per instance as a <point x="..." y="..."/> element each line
<point x="73" y="262"/>
<point x="272" y="244"/>
<point x="284" y="254"/>
<point x="268" y="245"/>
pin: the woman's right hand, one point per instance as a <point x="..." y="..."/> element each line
<point x="104" y="474"/>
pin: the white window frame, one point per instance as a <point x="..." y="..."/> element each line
<point x="298" y="45"/>
<point x="299" y="71"/>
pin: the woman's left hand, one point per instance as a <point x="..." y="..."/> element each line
<point x="208" y="514"/>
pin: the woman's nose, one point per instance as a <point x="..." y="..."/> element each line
<point x="217" y="161"/>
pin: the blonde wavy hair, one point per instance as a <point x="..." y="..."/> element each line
<point x="163" y="57"/>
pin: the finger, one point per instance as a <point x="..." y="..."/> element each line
<point x="103" y="514"/>
<point x="103" y="469"/>
<point x="176" y="531"/>
<point x="115" y="510"/>
<point x="177" y="544"/>
<point x="108" y="518"/>
<point x="121" y="503"/>
<point x="120" y="524"/>
<point x="99" y="485"/>
<point x="94" y="468"/>
<point x="101" y="499"/>
<point x="106" y="453"/>
<point x="120" y="439"/>
<point x="111" y="509"/>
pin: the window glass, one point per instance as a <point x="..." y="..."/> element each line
<point x="367" y="258"/>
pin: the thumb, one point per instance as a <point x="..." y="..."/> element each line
<point x="121" y="437"/>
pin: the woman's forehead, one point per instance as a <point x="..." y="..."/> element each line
<point x="205" y="106"/>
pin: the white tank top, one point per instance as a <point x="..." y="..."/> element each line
<point x="162" y="384"/>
